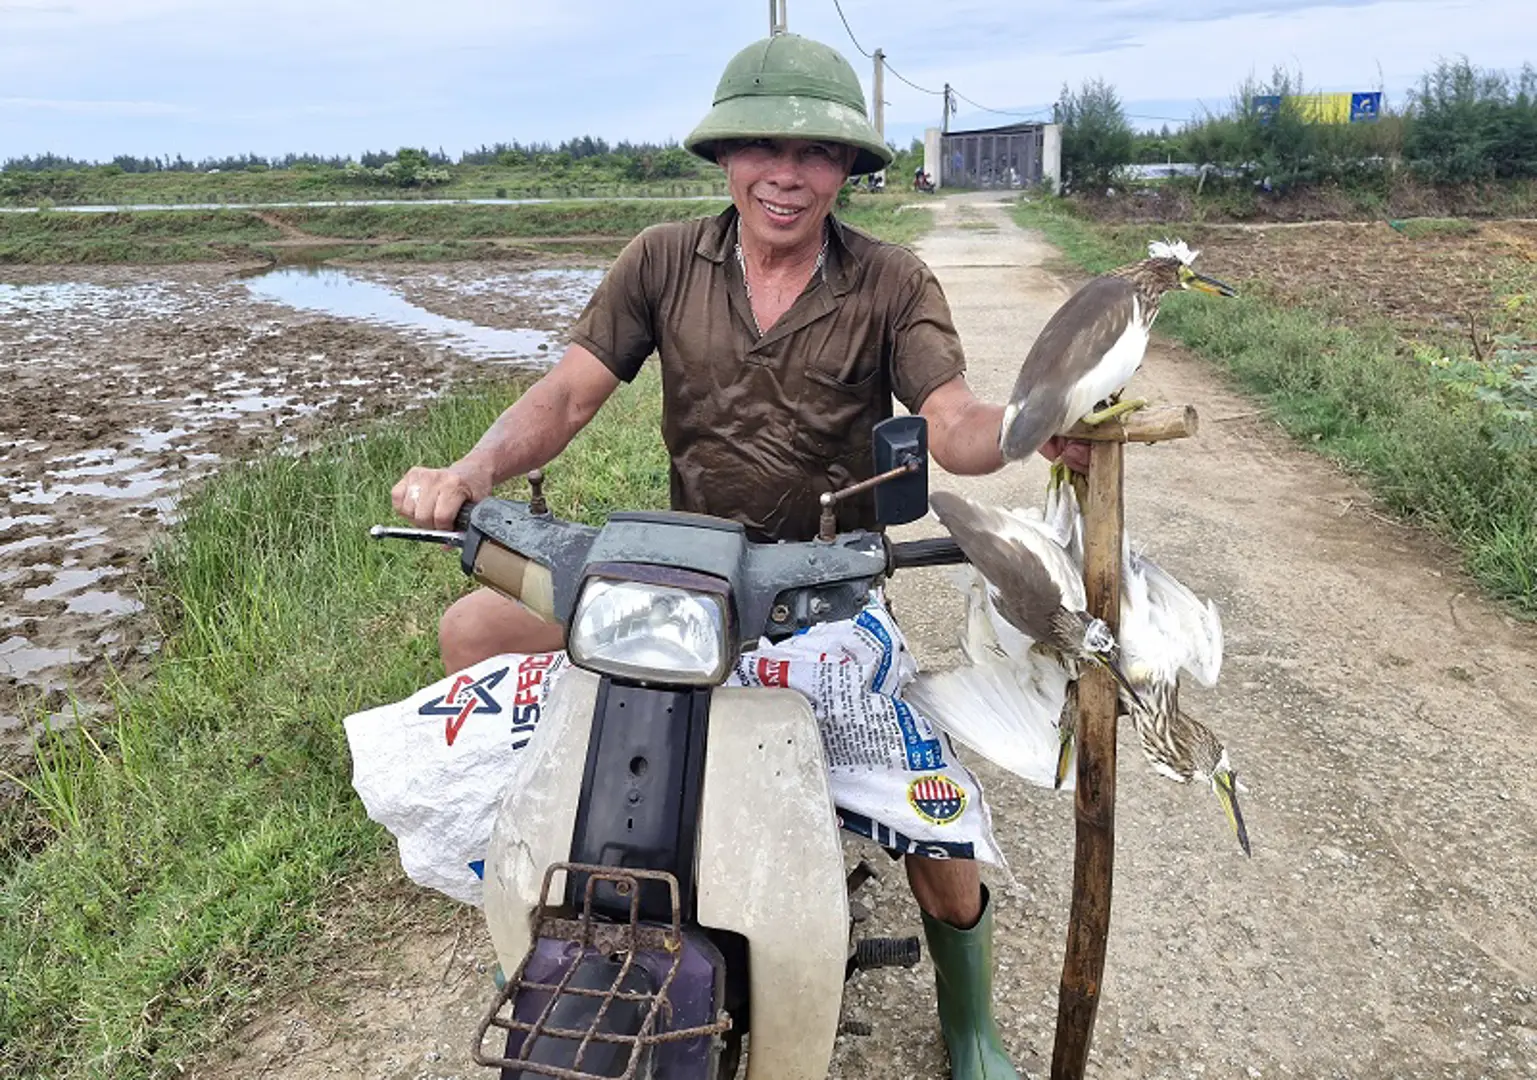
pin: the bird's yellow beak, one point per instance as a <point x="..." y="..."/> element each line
<point x="1225" y="784"/>
<point x="1064" y="759"/>
<point x="1209" y="285"/>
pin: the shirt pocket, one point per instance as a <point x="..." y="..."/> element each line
<point x="838" y="409"/>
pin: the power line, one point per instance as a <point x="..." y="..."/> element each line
<point x="924" y="89"/>
<point x="1000" y="112"/>
<point x="1031" y="115"/>
<point x="852" y="38"/>
<point x="909" y="82"/>
<point x="870" y="55"/>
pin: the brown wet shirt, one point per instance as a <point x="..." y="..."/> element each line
<point x="759" y="426"/>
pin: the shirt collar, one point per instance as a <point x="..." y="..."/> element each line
<point x="841" y="270"/>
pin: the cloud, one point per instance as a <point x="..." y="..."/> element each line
<point x="94" y="108"/>
<point x="345" y="75"/>
<point x="1107" y="44"/>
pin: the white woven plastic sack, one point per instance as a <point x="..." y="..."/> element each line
<point x="432" y="769"/>
<point x="894" y="775"/>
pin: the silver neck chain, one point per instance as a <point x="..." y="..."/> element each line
<point x="741" y="261"/>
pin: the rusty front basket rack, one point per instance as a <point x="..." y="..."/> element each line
<point x="607" y="939"/>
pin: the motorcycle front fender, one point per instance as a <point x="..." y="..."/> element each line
<point x="770" y="865"/>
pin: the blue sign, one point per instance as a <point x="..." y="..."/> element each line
<point x="1365" y="108"/>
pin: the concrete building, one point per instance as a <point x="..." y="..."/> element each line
<point x="1010" y="157"/>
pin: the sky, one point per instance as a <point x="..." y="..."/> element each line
<point x="96" y="78"/>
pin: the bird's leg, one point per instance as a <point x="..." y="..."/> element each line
<point x="1067" y="727"/>
<point x="1080" y="482"/>
<point x="1057" y="475"/>
<point x="1111" y="411"/>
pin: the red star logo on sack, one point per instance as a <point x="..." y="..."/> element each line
<point x="937" y="799"/>
<point x="465" y="697"/>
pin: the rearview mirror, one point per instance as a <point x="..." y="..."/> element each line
<point x="897" y="441"/>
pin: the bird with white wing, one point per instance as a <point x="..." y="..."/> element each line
<point x="1028" y="617"/>
<point x="1165" y="631"/>
<point x="1027" y="630"/>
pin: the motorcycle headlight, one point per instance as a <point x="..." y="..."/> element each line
<point x="651" y="632"/>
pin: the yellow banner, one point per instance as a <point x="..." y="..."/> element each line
<point x="1322" y="108"/>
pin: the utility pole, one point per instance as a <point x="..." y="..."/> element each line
<point x="879" y="111"/>
<point x="778" y="17"/>
<point x="945" y="123"/>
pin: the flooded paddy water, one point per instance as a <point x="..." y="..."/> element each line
<point x="118" y="387"/>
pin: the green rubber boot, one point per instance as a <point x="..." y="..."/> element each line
<point x="963" y="976"/>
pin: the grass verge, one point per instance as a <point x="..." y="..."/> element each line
<point x="188" y="852"/>
<point x="101" y="187"/>
<point x="148" y="237"/>
<point x="361" y="233"/>
<point x="884" y="217"/>
<point x="384" y="232"/>
<point x="484" y="222"/>
<point x="1436" y="453"/>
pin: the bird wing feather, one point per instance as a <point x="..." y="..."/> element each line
<point x="1080" y="332"/>
<point x="1165" y="628"/>
<point x="1064" y="517"/>
<point x="1007" y="718"/>
<point x="1028" y="575"/>
<point x="1184" y="618"/>
<point x="980" y="641"/>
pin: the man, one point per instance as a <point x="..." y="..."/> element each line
<point x="782" y="336"/>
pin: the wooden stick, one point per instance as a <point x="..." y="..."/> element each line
<point x="1156" y="423"/>
<point x="1088" y="925"/>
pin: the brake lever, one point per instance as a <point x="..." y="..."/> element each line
<point x="425" y="536"/>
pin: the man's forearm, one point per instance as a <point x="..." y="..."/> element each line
<point x="528" y="435"/>
<point x="970" y="445"/>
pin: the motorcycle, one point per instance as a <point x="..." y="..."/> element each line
<point x="668" y="877"/>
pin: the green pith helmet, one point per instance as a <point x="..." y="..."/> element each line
<point x="790" y="87"/>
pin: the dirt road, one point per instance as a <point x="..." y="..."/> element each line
<point x="1380" y="714"/>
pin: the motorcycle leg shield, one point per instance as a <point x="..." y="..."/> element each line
<point x="771" y="869"/>
<point x="963" y="978"/>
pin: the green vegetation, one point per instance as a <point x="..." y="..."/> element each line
<point x="483" y="222"/>
<point x="189" y="236"/>
<point x="421" y="233"/>
<point x="193" y="846"/>
<point x="445" y="232"/>
<point x="1096" y="137"/>
<point x="164" y="237"/>
<point x="1472" y="125"/>
<point x="202" y="847"/>
<point x="1283" y="149"/>
<point x="1446" y="442"/>
<point x="92" y="188"/>
<point x="584" y="167"/>
<point x="1463" y="141"/>
<point x="883" y="216"/>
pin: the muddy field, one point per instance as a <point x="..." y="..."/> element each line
<point x="1427" y="279"/>
<point x="122" y="386"/>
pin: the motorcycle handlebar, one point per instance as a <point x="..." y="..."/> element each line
<point x="942" y="551"/>
<point x="462" y="518"/>
<point x="905" y="554"/>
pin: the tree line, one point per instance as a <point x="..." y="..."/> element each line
<point x="1460" y="124"/>
<point x="581" y="161"/>
<point x="593" y="151"/>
